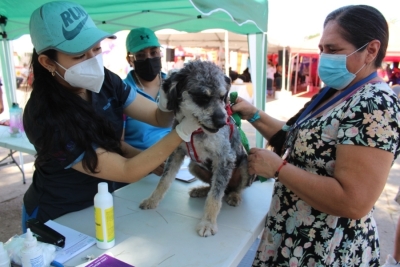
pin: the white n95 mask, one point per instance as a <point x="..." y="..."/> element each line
<point x="88" y="74"/>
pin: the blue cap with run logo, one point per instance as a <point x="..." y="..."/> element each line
<point x="64" y="26"/>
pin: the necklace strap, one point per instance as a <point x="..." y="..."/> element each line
<point x="306" y="115"/>
<point x="142" y="86"/>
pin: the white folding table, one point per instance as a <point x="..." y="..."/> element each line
<point x="166" y="236"/>
<point x="15" y="144"/>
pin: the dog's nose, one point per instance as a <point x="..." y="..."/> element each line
<point x="219" y="120"/>
<point x="220" y="124"/>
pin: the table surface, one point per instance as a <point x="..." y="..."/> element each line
<point x="167" y="236"/>
<point x="15" y="143"/>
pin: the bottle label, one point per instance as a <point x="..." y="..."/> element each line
<point x="33" y="262"/>
<point x="107" y="225"/>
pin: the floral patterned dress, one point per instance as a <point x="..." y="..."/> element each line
<point x="298" y="235"/>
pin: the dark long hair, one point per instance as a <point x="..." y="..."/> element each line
<point x="66" y="119"/>
<point x="359" y="25"/>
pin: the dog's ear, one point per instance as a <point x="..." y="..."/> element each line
<point x="228" y="87"/>
<point x="172" y="88"/>
<point x="167" y="86"/>
<point x="228" y="80"/>
<point x="168" y="82"/>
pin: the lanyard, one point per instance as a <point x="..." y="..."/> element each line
<point x="346" y="92"/>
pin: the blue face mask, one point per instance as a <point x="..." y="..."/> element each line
<point x="333" y="71"/>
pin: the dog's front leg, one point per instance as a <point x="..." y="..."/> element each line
<point x="221" y="174"/>
<point x="171" y="168"/>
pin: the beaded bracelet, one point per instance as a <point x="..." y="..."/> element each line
<point x="255" y="117"/>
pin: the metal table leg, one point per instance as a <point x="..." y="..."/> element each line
<point x="13" y="161"/>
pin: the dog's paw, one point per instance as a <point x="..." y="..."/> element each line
<point x="201" y="191"/>
<point x="234" y="199"/>
<point x="206" y="228"/>
<point x="148" y="204"/>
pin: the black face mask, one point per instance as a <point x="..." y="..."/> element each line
<point x="148" y="69"/>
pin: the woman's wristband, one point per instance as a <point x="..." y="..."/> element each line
<point x="284" y="162"/>
<point x="255" y="117"/>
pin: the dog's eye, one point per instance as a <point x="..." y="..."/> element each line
<point x="201" y="100"/>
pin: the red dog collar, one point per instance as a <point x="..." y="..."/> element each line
<point x="190" y="145"/>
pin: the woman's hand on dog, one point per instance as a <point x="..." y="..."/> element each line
<point x="245" y="109"/>
<point x="186" y="127"/>
<point x="263" y="162"/>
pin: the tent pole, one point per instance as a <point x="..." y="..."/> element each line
<point x="258" y="55"/>
<point x="290" y="69"/>
<point x="283" y="86"/>
<point x="8" y="71"/>
<point x="309" y="75"/>
<point x="227" y="58"/>
<point x="296" y="73"/>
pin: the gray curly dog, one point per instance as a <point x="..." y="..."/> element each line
<point x="199" y="91"/>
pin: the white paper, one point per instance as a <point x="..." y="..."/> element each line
<point x="184" y="174"/>
<point x="75" y="242"/>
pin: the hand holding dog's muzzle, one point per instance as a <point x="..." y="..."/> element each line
<point x="163" y="101"/>
<point x="186" y="127"/>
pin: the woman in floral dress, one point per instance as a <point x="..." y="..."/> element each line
<point x="333" y="157"/>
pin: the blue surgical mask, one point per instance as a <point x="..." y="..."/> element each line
<point x="333" y="71"/>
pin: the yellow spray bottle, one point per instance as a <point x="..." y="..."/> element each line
<point x="104" y="217"/>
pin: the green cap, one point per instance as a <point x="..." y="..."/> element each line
<point x="141" y="38"/>
<point x="64" y="26"/>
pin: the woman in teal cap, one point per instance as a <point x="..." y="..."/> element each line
<point x="74" y="116"/>
<point x="144" y="55"/>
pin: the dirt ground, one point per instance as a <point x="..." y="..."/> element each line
<point x="10" y="213"/>
<point x="11" y="194"/>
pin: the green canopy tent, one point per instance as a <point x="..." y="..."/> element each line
<point x="243" y="17"/>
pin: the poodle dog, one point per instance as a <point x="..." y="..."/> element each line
<point x="199" y="91"/>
